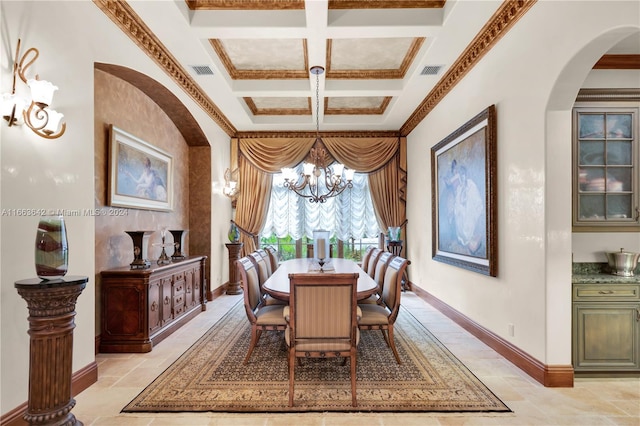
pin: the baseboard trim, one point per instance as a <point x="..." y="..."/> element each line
<point x="217" y="292"/>
<point x="80" y="380"/>
<point x="548" y="375"/>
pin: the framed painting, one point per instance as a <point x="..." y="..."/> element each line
<point x="140" y="175"/>
<point x="464" y="196"/>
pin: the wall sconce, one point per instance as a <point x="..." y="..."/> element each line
<point x="35" y="113"/>
<point x="231" y="185"/>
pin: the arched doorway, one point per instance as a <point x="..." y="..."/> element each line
<point x="558" y="192"/>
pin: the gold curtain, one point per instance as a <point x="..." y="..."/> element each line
<point x="385" y="194"/>
<point x="259" y="158"/>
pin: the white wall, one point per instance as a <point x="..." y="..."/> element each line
<point x="52" y="174"/>
<point x="519" y="75"/>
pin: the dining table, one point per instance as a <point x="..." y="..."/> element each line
<point x="277" y="285"/>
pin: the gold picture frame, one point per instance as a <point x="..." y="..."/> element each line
<point x="140" y="174"/>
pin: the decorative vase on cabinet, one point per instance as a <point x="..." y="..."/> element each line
<point x="52" y="248"/>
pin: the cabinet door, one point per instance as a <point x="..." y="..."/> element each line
<point x="167" y="314"/>
<point x="198" y="291"/>
<point x="155" y="305"/>
<point x="605" y="167"/>
<point x="190" y="290"/>
<point x="607" y="336"/>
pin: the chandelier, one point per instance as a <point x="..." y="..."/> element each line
<point x="336" y="178"/>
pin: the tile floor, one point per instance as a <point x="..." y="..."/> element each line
<point x="589" y="402"/>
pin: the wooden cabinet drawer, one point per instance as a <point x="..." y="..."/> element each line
<point x="606" y="292"/>
<point x="178" y="301"/>
<point x="178" y="286"/>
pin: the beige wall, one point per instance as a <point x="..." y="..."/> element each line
<point x="120" y="104"/>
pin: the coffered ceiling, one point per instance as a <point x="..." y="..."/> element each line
<point x="247" y="62"/>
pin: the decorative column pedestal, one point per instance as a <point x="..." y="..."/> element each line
<point x="233" y="286"/>
<point x="395" y="247"/>
<point x="52" y="307"/>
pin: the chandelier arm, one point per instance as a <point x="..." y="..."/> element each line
<point x="39" y="113"/>
<point x="22" y="67"/>
<point x="52" y="135"/>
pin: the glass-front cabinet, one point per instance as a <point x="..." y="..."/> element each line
<point x="605" y="173"/>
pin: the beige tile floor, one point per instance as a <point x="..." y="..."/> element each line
<point x="590" y="402"/>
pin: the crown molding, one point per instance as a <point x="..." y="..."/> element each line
<point x="130" y="23"/>
<point x="499" y="24"/>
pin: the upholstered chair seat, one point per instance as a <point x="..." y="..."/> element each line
<point x="373" y="314"/>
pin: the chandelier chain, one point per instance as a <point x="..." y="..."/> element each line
<point x="317" y="105"/>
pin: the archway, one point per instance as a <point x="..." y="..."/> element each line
<point x="558" y="192"/>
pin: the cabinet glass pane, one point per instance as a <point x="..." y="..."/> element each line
<point x="606" y="160"/>
<point x="619" y="126"/>
<point x="592" y="153"/>
<point x="593" y="179"/>
<point x="619" y="206"/>
<point x="591" y="126"/>
<point x="619" y="153"/>
<point x="619" y="179"/>
<point x="592" y="207"/>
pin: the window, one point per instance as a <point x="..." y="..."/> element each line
<point x="349" y="218"/>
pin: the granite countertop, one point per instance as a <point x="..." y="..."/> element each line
<point x="600" y="273"/>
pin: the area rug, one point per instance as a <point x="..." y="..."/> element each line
<point x="210" y="376"/>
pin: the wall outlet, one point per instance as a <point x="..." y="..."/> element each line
<point x="511" y="330"/>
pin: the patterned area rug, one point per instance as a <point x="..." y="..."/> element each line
<point x="210" y="376"/>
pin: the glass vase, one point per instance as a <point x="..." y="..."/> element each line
<point x="52" y="248"/>
<point x="393" y="233"/>
<point x="234" y="233"/>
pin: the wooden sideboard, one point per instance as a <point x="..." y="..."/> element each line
<point x="141" y="307"/>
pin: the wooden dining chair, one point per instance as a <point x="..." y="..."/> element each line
<point x="261" y="317"/>
<point x="273" y="257"/>
<point x="365" y="258"/>
<point x="383" y="316"/>
<point x="267" y="260"/>
<point x="373" y="260"/>
<point x="380" y="268"/>
<point x="322" y="321"/>
<point x="262" y="267"/>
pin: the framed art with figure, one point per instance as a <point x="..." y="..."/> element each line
<point x="140" y="175"/>
<point x="464" y="196"/>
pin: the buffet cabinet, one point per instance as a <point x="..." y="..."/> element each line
<point x="606" y="327"/>
<point x="141" y="307"/>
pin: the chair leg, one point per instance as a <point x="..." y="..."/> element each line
<point x="292" y="367"/>
<point x="386" y="338"/>
<point x="255" y="335"/>
<point x="353" y="379"/>
<point x="393" y="344"/>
